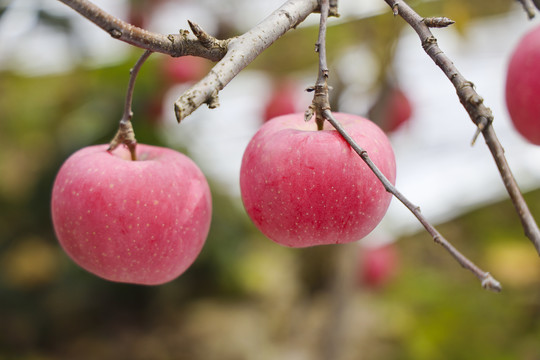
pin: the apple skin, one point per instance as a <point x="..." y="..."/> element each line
<point x="523" y="86"/>
<point x="141" y="222"/>
<point x="302" y="187"/>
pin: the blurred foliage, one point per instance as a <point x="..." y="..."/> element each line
<point x="244" y="297"/>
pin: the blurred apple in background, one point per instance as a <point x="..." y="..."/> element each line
<point x="184" y="69"/>
<point x="392" y="109"/>
<point x="140" y="12"/>
<point x="141" y="222"/>
<point x="523" y="86"/>
<point x="377" y="265"/>
<point x="282" y="101"/>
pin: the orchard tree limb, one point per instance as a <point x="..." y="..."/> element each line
<point x="320" y="107"/>
<point x="233" y="54"/>
<point x="478" y="112"/>
<point x="241" y="51"/>
<point x="125" y="134"/>
<point x="175" y="45"/>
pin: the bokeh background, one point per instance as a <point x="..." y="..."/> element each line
<point x="393" y="295"/>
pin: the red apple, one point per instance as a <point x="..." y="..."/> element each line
<point x="184" y="69"/>
<point x="392" y="109"/>
<point x="378" y="265"/>
<point x="281" y="102"/>
<point x="523" y="86"/>
<point x="302" y="187"/>
<point x="141" y="222"/>
<point x="399" y="110"/>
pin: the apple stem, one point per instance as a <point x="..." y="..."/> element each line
<point x="480" y="114"/>
<point x="487" y="281"/>
<point x="320" y="101"/>
<point x="125" y="134"/>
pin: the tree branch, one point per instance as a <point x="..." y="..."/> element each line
<point x="233" y="54"/>
<point x="320" y="96"/>
<point x="487" y="281"/>
<point x="180" y="44"/>
<point x="242" y="50"/>
<point x="321" y="108"/>
<point x="478" y="112"/>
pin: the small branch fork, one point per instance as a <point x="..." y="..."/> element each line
<point x="125" y="134"/>
<point x="241" y="51"/>
<point x="320" y="107"/>
<point x="175" y="45"/>
<point x="478" y="112"/>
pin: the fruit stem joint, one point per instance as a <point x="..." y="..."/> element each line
<point x="319" y="104"/>
<point x="125" y="135"/>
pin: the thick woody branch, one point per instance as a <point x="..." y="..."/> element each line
<point x="235" y="54"/>
<point x="478" y="112"/>
<point x="242" y="50"/>
<point x="180" y="44"/>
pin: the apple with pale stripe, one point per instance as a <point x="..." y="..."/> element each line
<point x="141" y="222"/>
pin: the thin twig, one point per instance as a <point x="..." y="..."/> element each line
<point x="180" y="44"/>
<point x="488" y="282"/>
<point x="478" y="112"/>
<point x="320" y="107"/>
<point x="125" y="134"/>
<point x="320" y="97"/>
